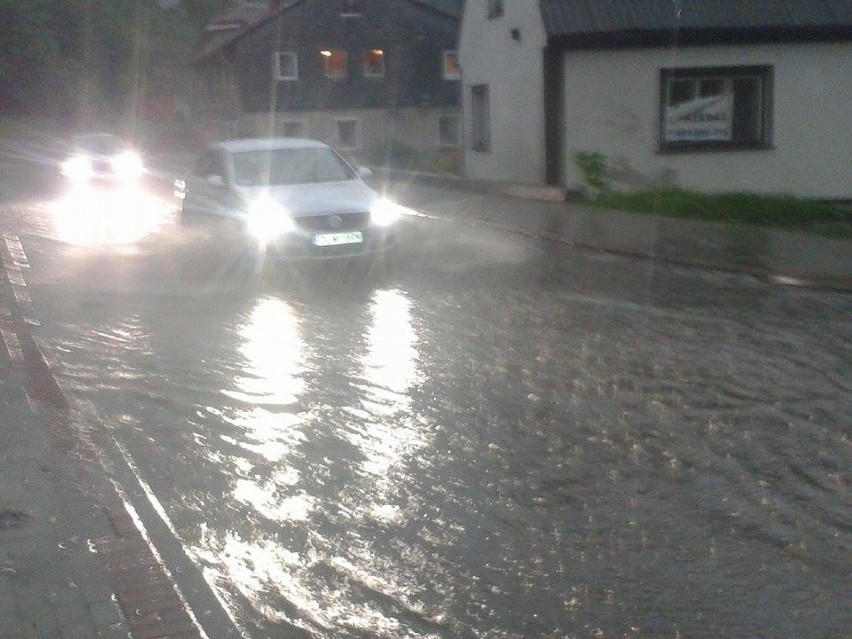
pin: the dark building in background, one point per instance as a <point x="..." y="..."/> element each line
<point x="353" y="73"/>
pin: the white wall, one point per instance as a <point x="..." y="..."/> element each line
<point x="513" y="70"/>
<point x="612" y="106"/>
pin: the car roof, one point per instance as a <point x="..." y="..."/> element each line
<point x="88" y="138"/>
<point x="269" y="144"/>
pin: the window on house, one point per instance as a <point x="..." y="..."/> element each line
<point x="449" y="130"/>
<point x="374" y="63"/>
<point x="348" y="134"/>
<point x="715" y="108"/>
<point x="495" y="8"/>
<point x="480" y="118"/>
<point x="351" y="9"/>
<point x="452" y="70"/>
<point x="286" y="66"/>
<point x="335" y="62"/>
<point x="293" y="129"/>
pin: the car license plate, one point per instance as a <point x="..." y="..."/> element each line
<point x="333" y="239"/>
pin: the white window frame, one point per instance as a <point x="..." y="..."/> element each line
<point x="340" y="143"/>
<point x="451" y="144"/>
<point x="444" y="66"/>
<point x="279" y="67"/>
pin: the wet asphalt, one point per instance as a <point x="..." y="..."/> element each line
<point x="487" y="435"/>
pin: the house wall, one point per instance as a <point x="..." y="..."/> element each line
<point x="513" y="71"/>
<point x="416" y="127"/>
<point x="612" y="106"/>
<point x="412" y="36"/>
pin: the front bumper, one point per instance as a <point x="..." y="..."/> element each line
<point x="303" y="245"/>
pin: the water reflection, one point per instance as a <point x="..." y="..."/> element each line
<point x="293" y="456"/>
<point x="389" y="368"/>
<point x="272" y="346"/>
<point x="88" y="216"/>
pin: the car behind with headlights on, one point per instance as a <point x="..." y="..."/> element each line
<point x="102" y="159"/>
<point x="291" y="198"/>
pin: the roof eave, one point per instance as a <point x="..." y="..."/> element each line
<point x="700" y="37"/>
<point x="273" y="14"/>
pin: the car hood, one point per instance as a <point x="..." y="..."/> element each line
<point x="352" y="196"/>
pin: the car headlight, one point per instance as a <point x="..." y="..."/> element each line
<point x="384" y="212"/>
<point x="78" y="169"/>
<point x="128" y="166"/>
<point x="268" y="220"/>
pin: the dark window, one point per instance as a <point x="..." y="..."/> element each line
<point x="715" y="108"/>
<point x="348" y="134"/>
<point x="480" y="117"/>
<point x="449" y="130"/>
<point x="292" y="129"/>
<point x="287" y="66"/>
<point x="495" y="8"/>
<point x="351" y="9"/>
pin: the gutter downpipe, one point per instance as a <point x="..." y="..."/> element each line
<point x="554" y="114"/>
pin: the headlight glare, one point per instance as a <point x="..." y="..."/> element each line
<point x="78" y="169"/>
<point x="128" y="166"/>
<point x="384" y="212"/>
<point x="268" y="220"/>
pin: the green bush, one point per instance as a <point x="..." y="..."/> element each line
<point x="593" y="167"/>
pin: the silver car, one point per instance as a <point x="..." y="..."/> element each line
<point x="294" y="198"/>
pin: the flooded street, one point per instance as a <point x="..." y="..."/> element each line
<point x="494" y="437"/>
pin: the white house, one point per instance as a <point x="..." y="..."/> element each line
<point x="710" y="95"/>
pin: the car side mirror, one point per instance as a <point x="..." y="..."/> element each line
<point x="216" y="180"/>
<point x="364" y="172"/>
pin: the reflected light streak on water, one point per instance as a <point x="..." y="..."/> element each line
<point x="390" y="370"/>
<point x="312" y="572"/>
<point x="253" y="565"/>
<point x="273" y="348"/>
<point x="91" y="217"/>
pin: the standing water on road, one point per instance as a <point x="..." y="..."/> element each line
<point x="498" y="440"/>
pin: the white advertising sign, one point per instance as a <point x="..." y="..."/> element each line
<point x="701" y="120"/>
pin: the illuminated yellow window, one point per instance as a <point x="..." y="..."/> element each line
<point x="374" y="63"/>
<point x="336" y="63"/>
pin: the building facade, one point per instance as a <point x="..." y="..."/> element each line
<point x="356" y="74"/>
<point x="702" y="95"/>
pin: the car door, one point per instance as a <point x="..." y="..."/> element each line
<point x="207" y="188"/>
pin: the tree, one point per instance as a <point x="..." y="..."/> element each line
<point x="73" y="58"/>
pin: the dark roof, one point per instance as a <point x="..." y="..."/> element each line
<point x="452" y="8"/>
<point x="225" y="27"/>
<point x="239" y="14"/>
<point x="627" y="22"/>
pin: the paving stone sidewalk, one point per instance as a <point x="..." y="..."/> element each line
<point x="73" y="563"/>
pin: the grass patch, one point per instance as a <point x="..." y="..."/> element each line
<point x="776" y="212"/>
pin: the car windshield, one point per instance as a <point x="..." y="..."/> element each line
<point x="290" y="166"/>
<point x="100" y="144"/>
